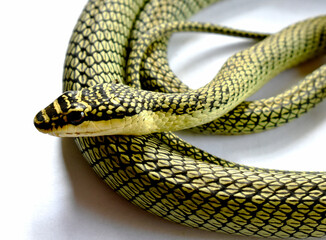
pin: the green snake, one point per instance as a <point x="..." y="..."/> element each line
<point x="123" y="131"/>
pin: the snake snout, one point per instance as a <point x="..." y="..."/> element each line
<point x="41" y="122"/>
<point x="45" y="119"/>
<point x="39" y="118"/>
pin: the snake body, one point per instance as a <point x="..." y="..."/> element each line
<point x="119" y="43"/>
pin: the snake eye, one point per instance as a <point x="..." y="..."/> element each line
<point x="75" y="117"/>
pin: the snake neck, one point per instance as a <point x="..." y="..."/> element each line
<point x="108" y="109"/>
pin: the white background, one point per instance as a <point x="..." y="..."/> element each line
<point x="47" y="189"/>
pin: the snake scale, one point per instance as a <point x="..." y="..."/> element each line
<point x="123" y="42"/>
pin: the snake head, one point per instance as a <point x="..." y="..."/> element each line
<point x="63" y="115"/>
<point x="105" y="109"/>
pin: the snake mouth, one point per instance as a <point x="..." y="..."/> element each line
<point x="125" y="126"/>
<point x="85" y="129"/>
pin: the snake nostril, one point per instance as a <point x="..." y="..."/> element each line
<point x="39" y="117"/>
<point x="40" y="122"/>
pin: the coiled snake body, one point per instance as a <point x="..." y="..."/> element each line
<point x="123" y="42"/>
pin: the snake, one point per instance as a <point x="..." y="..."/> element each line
<point x="121" y="102"/>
